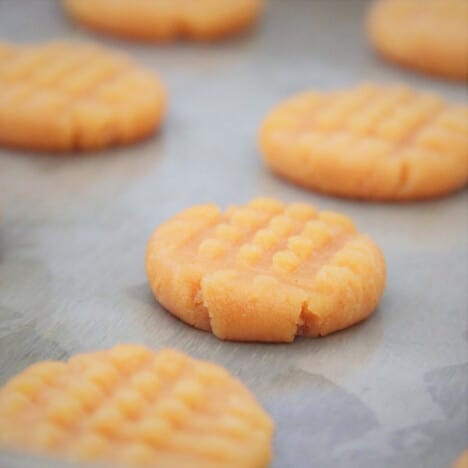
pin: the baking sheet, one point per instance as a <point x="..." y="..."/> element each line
<point x="392" y="391"/>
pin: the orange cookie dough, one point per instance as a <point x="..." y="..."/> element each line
<point x="265" y="271"/>
<point x="166" y="19"/>
<point x="71" y="96"/>
<point x="371" y="142"/>
<point x="462" y="460"/>
<point x="129" y="406"/>
<point x="428" y="35"/>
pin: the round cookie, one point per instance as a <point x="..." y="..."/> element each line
<point x="71" y="96"/>
<point x="166" y="19"/>
<point x="129" y="406"/>
<point x="371" y="142"/>
<point x="265" y="271"/>
<point x="428" y="35"/>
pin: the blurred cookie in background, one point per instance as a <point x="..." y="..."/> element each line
<point x="428" y="35"/>
<point x="160" y="20"/>
<point x="462" y="460"/>
<point x="370" y="142"/>
<point x="63" y="96"/>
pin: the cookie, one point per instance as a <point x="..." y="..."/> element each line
<point x="71" y="96"/>
<point x="428" y="35"/>
<point x="371" y="142"/>
<point x="265" y="271"/>
<point x="462" y="460"/>
<point x="158" y="20"/>
<point x="129" y="406"/>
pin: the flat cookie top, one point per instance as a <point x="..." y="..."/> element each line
<point x="80" y="95"/>
<point x="266" y="271"/>
<point x="425" y="15"/>
<point x="134" y="407"/>
<point x="431" y="35"/>
<point x="166" y="19"/>
<point x="396" y="138"/>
